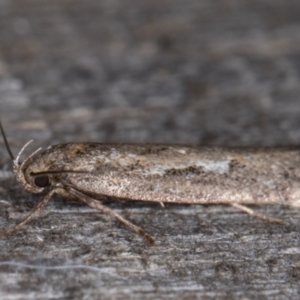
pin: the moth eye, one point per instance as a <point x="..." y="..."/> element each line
<point x="41" y="181"/>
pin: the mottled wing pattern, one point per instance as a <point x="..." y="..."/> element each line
<point x="177" y="173"/>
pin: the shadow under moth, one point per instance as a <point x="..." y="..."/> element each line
<point x="159" y="173"/>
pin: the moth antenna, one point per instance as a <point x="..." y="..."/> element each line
<point x="6" y="142"/>
<point x="57" y="172"/>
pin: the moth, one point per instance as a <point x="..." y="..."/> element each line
<point x="159" y="173"/>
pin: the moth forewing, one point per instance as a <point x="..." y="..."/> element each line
<point x="160" y="173"/>
<point x="180" y="174"/>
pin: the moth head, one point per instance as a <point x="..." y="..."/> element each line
<point x="33" y="184"/>
<point x="25" y="173"/>
<point x="32" y="173"/>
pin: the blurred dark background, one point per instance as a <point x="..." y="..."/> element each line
<point x="201" y="72"/>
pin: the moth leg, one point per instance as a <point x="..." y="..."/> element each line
<point x="34" y="211"/>
<point x="96" y="204"/>
<point x="255" y="213"/>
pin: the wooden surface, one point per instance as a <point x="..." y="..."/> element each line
<point x="202" y="72"/>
